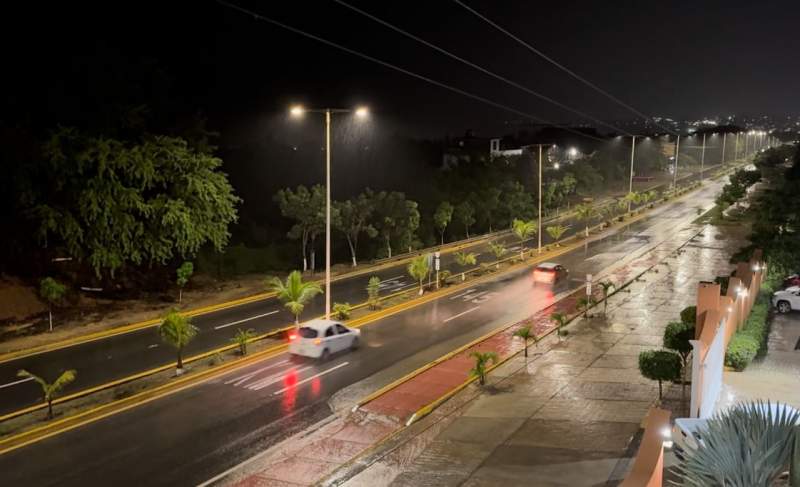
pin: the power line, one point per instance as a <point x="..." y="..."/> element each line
<point x="562" y="67"/>
<point x="258" y="16"/>
<point x="479" y="68"/>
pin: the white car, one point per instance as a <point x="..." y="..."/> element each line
<point x="322" y="338"/>
<point x="787" y="300"/>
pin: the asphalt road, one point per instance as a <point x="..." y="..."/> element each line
<point x="193" y="435"/>
<point x="102" y="361"/>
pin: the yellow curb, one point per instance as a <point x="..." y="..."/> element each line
<point x="91" y="415"/>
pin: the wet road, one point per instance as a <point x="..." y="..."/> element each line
<point x="102" y="361"/>
<point x="192" y="435"/>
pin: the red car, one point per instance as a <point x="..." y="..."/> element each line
<point x="549" y="273"/>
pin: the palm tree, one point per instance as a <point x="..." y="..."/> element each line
<point x="52" y="291"/>
<point x="498" y="249"/>
<point x="585" y="212"/>
<point x="481" y="361"/>
<point x="465" y="259"/>
<point x="294" y="292"/>
<point x="523" y="230"/>
<point x="606" y="286"/>
<point x="419" y="269"/>
<point x="556" y="231"/>
<point x="584" y="304"/>
<point x="560" y="319"/>
<point x="50" y="391"/>
<point x="177" y="330"/>
<point x="526" y="334"/>
<point x="242" y="338"/>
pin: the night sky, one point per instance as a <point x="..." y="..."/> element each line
<point x="674" y="59"/>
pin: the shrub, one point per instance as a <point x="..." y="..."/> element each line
<point x="689" y="315"/>
<point x="741" y="351"/>
<point x="751" y="339"/>
<point x="660" y="365"/>
<point x="342" y="311"/>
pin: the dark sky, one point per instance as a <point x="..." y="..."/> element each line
<point x="675" y="59"/>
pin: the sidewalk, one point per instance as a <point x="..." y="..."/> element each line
<point x="565" y="406"/>
<point x="567" y="417"/>
<point x="776" y="376"/>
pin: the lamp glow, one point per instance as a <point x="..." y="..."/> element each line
<point x="362" y="112"/>
<point x="296" y="110"/>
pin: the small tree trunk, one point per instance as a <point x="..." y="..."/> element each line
<point x="50" y="316"/>
<point x="482" y="379"/>
<point x="49" y="409"/>
<point x="526" y="348"/>
<point x="313" y="261"/>
<point x="587" y="231"/>
<point x="389" y="247"/>
<point x="180" y="295"/>
<point x="180" y="357"/>
<point x="659" y="391"/>
<point x="442" y="237"/>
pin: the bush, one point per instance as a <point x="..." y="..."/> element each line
<point x="342" y="311"/>
<point x="752" y="338"/>
<point x="660" y="365"/>
<point x="689" y="315"/>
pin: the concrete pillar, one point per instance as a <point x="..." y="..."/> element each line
<point x="707" y="299"/>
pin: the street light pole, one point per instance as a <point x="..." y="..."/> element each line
<point x="724" y="139"/>
<point x="746" y="134"/>
<point x="702" y="158"/>
<point x="630" y="179"/>
<point x="736" y="148"/>
<point x="677" y="155"/>
<point x="327" y="214"/>
<point x="539" y="214"/>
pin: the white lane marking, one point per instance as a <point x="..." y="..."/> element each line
<point x="243" y="378"/>
<point x="246" y="319"/>
<point x="16" y="382"/>
<point x="461" y="314"/>
<point x="310" y="378"/>
<point x="153" y="345"/>
<point x="475" y="296"/>
<point x="274" y="379"/>
<point x="392" y="279"/>
<point x="461" y="294"/>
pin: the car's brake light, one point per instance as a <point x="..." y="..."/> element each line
<point x="292" y="336"/>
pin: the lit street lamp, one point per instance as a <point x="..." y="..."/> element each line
<point x="724" y="139"/>
<point x="298" y="111"/>
<point x="702" y="158"/>
<point x="677" y="154"/>
<point x="630" y="179"/>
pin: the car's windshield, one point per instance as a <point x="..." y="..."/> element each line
<point x="306" y="332"/>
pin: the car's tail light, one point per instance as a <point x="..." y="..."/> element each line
<point x="292" y="336"/>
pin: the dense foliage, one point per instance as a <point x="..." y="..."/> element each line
<point x="752" y="337"/>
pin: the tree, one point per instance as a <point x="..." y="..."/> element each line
<point x="606" y="286"/>
<point x="585" y="212"/>
<point x="465" y="214"/>
<point x="482" y="360"/>
<point x="465" y="259"/>
<point x="115" y="203"/>
<point x="583" y="305"/>
<point x="396" y="219"/>
<point x="294" y="293"/>
<point x="527" y="335"/>
<point x="184" y="272"/>
<point x="342" y="311"/>
<point x="523" y="230"/>
<point x="373" y="290"/>
<point x="556" y="231"/>
<point x="486" y="204"/>
<point x="498" y="250"/>
<point x="52" y="291"/>
<point x="632" y="198"/>
<point x="442" y="217"/>
<point x="352" y="219"/>
<point x="676" y="337"/>
<point x="560" y="319"/>
<point x="50" y="390"/>
<point x="419" y="269"/>
<point x="177" y="330"/>
<point x="660" y="365"/>
<point x="242" y="338"/>
<point x="302" y="206"/>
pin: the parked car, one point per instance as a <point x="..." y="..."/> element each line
<point x="322" y="338"/>
<point x="791" y="281"/>
<point x="549" y="273"/>
<point x="787" y="300"/>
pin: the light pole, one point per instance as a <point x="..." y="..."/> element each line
<point x="746" y="134"/>
<point x="298" y="111"/>
<point x="677" y="155"/>
<point x="736" y="148"/>
<point x="724" y="139"/>
<point x="702" y="158"/>
<point x="630" y="179"/>
<point x="539" y="211"/>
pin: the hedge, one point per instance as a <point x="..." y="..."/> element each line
<point x="752" y="338"/>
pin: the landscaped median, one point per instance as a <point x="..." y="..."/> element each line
<point x="152" y="384"/>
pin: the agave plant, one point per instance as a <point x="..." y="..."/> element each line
<point x="748" y="445"/>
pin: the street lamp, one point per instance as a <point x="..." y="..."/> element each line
<point x="677" y="154"/>
<point x="724" y="140"/>
<point x="298" y="111"/>
<point x="630" y="179"/>
<point x="702" y="158"/>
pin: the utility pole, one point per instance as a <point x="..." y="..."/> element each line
<point x="677" y="153"/>
<point x="539" y="214"/>
<point x="702" y="158"/>
<point x="327" y="214"/>
<point x="724" y="139"/>
<point x="630" y="179"/>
